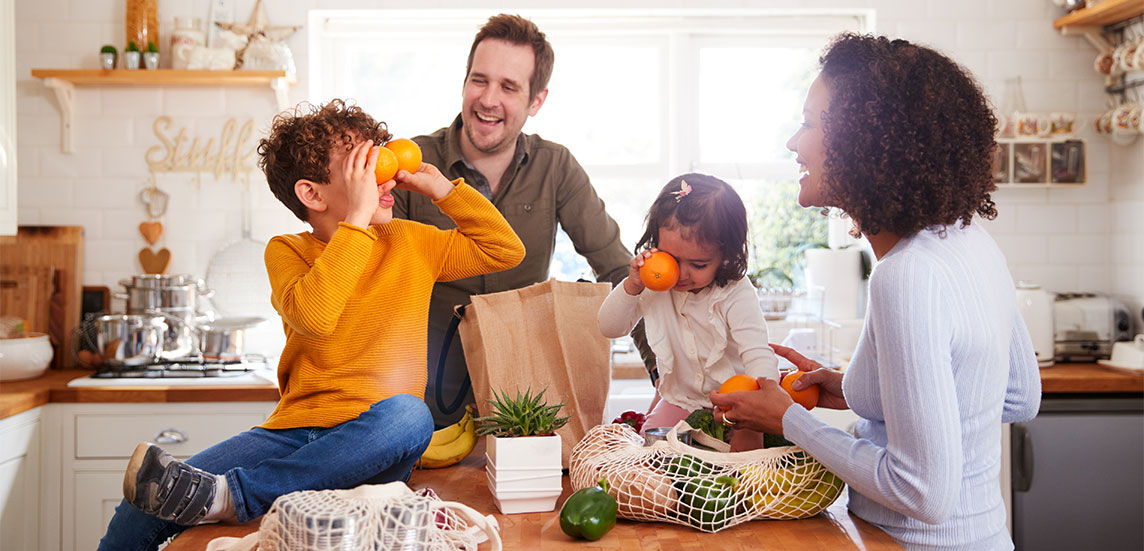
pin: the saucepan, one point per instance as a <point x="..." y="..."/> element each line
<point x="223" y="339"/>
<point x="128" y="340"/>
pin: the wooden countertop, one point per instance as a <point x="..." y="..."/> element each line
<point x="20" y="396"/>
<point x="834" y="529"/>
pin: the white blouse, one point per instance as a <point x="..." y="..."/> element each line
<point x="699" y="339"/>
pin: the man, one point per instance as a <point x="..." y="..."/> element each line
<point x="535" y="183"/>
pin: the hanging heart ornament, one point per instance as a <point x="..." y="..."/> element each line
<point x="151" y="231"/>
<point x="155" y="200"/>
<point x="155" y="262"/>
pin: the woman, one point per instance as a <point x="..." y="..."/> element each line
<point x="899" y="138"/>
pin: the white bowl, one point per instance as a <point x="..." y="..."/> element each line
<point x="24" y="357"/>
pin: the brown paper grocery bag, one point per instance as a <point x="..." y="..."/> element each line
<point x="544" y="336"/>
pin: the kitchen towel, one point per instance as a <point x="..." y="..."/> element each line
<point x="542" y="337"/>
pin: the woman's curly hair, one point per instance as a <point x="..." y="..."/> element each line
<point x="711" y="213"/>
<point x="909" y="137"/>
<point x="299" y="145"/>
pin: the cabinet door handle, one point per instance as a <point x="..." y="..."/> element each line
<point x="171" y="436"/>
<point x="1022" y="451"/>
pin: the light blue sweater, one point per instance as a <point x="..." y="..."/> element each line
<point x="944" y="359"/>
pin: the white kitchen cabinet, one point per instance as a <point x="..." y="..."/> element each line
<point x="97" y="441"/>
<point x="20" y="487"/>
<point x="7" y="120"/>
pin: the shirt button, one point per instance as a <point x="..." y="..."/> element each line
<point x="528" y="207"/>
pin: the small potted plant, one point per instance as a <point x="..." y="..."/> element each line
<point x="107" y="55"/>
<point x="151" y="56"/>
<point x="523" y="451"/>
<point x="131" y="56"/>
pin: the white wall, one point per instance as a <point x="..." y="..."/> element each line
<point x="1083" y="238"/>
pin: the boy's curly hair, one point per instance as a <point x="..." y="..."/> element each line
<point x="300" y="142"/>
<point x="712" y="213"/>
<point x="909" y="137"/>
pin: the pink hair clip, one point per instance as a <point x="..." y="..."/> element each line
<point x="684" y="189"/>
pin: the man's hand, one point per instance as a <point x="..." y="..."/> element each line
<point x="362" y="190"/>
<point x="829" y="381"/>
<point x="427" y="181"/>
<point x="633" y="285"/>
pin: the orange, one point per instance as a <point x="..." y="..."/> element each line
<point x="408" y="154"/>
<point x="386" y="165"/>
<point x="807" y="397"/>
<point x="737" y="383"/>
<point x="659" y="272"/>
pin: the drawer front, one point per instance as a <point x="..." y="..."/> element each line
<point x="114" y="436"/>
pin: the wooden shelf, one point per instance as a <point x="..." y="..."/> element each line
<point x="164" y="77"/>
<point x="64" y="81"/>
<point x="1104" y="13"/>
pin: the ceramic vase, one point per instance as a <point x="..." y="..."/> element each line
<point x="524" y="473"/>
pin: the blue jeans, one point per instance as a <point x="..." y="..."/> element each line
<point x="380" y="445"/>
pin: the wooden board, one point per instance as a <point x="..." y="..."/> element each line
<point x="59" y="248"/>
<point x="26" y="293"/>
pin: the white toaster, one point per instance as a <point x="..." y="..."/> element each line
<point x="1086" y="325"/>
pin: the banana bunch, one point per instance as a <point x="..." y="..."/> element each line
<point x="451" y="444"/>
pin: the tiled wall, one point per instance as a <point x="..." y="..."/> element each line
<point x="1089" y="237"/>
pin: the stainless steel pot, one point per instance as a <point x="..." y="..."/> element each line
<point x="127" y="340"/>
<point x="223" y="339"/>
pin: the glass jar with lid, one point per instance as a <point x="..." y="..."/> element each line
<point x="188" y="34"/>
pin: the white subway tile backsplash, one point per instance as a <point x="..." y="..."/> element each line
<point x="104" y="194"/>
<point x="141" y="101"/>
<point x="1055" y="278"/>
<point x="923" y="31"/>
<point x="73" y="37"/>
<point x="1007" y="63"/>
<point x="116" y="255"/>
<point x="91" y="220"/>
<point x="81" y="164"/>
<point x="1075" y="64"/>
<point x="1092" y="219"/>
<point x="40" y="10"/>
<point x="124" y="162"/>
<point x="985" y="34"/>
<point x="1046" y="219"/>
<point x="193" y="101"/>
<point x="1024" y="249"/>
<point x="1034" y="34"/>
<point x="45" y="192"/>
<point x="122" y="224"/>
<point x="86" y="10"/>
<point x="105" y="130"/>
<point x="1049" y="95"/>
<point x="1079" y="249"/>
<point x="38" y="130"/>
<point x="1097" y="278"/>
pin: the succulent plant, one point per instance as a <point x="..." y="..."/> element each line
<point x="108" y="49"/>
<point x="131" y="47"/>
<point x="524" y="415"/>
<point x="152" y="48"/>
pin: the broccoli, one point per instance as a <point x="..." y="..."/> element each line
<point x="704" y="420"/>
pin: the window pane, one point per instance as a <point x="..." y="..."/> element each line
<point x="750" y="101"/>
<point x="604" y="103"/>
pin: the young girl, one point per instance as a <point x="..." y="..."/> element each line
<point x="710" y="325"/>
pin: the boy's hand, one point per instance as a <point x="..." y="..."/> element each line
<point x="362" y="190"/>
<point x="427" y="181"/>
<point x="633" y="285"/>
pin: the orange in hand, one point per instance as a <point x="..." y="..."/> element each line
<point x="807" y="397"/>
<point x="407" y="152"/>
<point x="659" y="272"/>
<point x="386" y="166"/>
<point x="737" y="383"/>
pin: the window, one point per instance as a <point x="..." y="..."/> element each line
<point x="638" y="96"/>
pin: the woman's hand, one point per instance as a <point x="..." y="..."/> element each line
<point x="633" y="285"/>
<point x="759" y="410"/>
<point x="427" y="181"/>
<point x="829" y="381"/>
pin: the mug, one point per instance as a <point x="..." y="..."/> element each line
<point x="1138" y="62"/>
<point x="1033" y="124"/>
<point x="1062" y="123"/>
<point x="1128" y="55"/>
<point x="1136" y="118"/>
<point x="1103" y="123"/>
<point x="1122" y="119"/>
<point x="1104" y="62"/>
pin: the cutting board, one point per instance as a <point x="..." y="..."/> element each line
<point x="26" y="293"/>
<point x="59" y="248"/>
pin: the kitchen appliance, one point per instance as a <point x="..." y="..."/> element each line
<point x="1076" y="475"/>
<point x="1036" y="307"/>
<point x="250" y="369"/>
<point x="1087" y="324"/>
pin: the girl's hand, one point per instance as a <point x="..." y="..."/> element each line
<point x="427" y="181"/>
<point x="829" y="381"/>
<point x="633" y="285"/>
<point x="759" y="410"/>
<point x="362" y="191"/>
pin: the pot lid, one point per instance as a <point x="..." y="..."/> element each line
<point x="236" y="322"/>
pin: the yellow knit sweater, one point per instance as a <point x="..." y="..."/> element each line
<point x="355" y="310"/>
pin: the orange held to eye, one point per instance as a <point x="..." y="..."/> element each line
<point x="386" y="165"/>
<point x="407" y="152"/>
<point x="659" y="272"/>
<point x="807" y="397"/>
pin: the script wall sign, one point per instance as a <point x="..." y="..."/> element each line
<point x="232" y="152"/>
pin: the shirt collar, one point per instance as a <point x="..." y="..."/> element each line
<point x="453" y="154"/>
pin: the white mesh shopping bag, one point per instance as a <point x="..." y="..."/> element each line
<point x="379" y="517"/>
<point x="670" y="481"/>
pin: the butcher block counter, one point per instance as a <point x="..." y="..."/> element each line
<point x="834" y="529"/>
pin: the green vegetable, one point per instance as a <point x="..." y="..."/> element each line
<point x="589" y="513"/>
<point x="686" y="467"/>
<point x="709" y="502"/>
<point x="108" y="49"/>
<point x="775" y="441"/>
<point x="131" y="47"/>
<point x="704" y="420"/>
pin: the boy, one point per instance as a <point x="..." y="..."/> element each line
<point x="354" y="296"/>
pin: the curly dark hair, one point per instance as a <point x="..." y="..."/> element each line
<point x="299" y="145"/>
<point x="712" y="212"/>
<point x="909" y="136"/>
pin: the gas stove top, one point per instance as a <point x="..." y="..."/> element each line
<point x="250" y="370"/>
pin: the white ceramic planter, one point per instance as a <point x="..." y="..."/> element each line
<point x="524" y="473"/>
